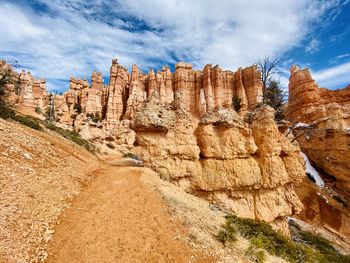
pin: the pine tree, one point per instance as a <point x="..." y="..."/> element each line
<point x="274" y="96"/>
<point x="273" y="93"/>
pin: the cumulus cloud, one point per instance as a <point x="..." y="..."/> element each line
<point x="73" y="37"/>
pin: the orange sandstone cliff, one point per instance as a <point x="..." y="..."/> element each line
<point x="323" y="131"/>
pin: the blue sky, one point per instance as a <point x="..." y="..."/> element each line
<point x="56" y="39"/>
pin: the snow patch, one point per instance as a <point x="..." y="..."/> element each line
<point x="311" y="170"/>
<point x="301" y="125"/>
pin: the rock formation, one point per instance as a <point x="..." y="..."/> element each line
<point x="32" y="90"/>
<point x="25" y="91"/>
<point x="188" y="131"/>
<point x="196" y="91"/>
<point x="322" y="126"/>
<point x="248" y="168"/>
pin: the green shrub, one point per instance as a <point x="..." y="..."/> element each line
<point x="329" y="253"/>
<point x="236" y="103"/>
<point x="6" y="112"/>
<point x="228" y="233"/>
<point x="255" y="253"/>
<point x="28" y="121"/>
<point x="71" y="135"/>
<point x="310" y="249"/>
<point x="164" y="176"/>
<point x="38" y="110"/>
<point x="131" y="156"/>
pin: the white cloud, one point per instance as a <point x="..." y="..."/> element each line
<point x="333" y="77"/>
<point x="75" y="38"/>
<point x="313" y="46"/>
<point x="342" y="56"/>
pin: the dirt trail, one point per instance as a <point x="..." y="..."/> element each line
<point x="117" y="218"/>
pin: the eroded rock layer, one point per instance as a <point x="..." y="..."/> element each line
<point x="322" y="125"/>
<point x="248" y="168"/>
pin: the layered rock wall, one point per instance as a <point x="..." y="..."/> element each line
<point x="248" y="168"/>
<point x="307" y="102"/>
<point x="322" y="119"/>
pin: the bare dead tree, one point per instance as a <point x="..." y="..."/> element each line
<point x="273" y="93"/>
<point x="268" y="70"/>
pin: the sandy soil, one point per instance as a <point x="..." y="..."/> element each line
<point x="40" y="173"/>
<point x="117" y="218"/>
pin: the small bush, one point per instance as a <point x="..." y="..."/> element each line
<point x="110" y="146"/>
<point x="255" y="253"/>
<point x="228" y="233"/>
<point x="28" y="121"/>
<point x="38" y="110"/>
<point x="164" y="176"/>
<point x="6" y="112"/>
<point x="71" y="135"/>
<point x="94" y="117"/>
<point x="78" y="108"/>
<point x="236" y="103"/>
<point x="131" y="156"/>
<point x="310" y="249"/>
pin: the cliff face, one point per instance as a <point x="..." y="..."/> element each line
<point x="249" y="169"/>
<point x="308" y="102"/>
<point x="325" y="132"/>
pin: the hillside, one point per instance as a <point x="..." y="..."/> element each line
<point x="40" y="173"/>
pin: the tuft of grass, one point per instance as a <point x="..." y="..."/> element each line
<point x="164" y="176"/>
<point x="255" y="253"/>
<point x="310" y="249"/>
<point x="228" y="233"/>
<point x="131" y="156"/>
<point x="71" y="135"/>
